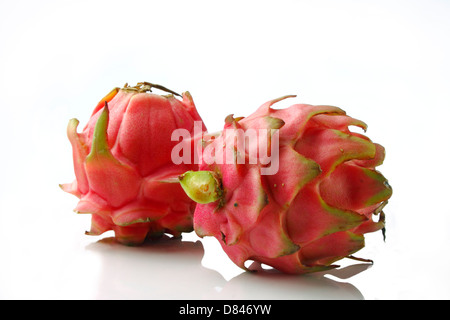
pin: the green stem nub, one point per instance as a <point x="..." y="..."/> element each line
<point x="201" y="186"/>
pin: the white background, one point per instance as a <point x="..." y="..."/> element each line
<point x="384" y="62"/>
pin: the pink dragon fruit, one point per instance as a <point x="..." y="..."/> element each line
<point x="123" y="164"/>
<point x="307" y="207"/>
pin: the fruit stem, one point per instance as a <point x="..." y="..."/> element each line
<point x="147" y="86"/>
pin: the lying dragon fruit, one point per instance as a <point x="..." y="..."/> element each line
<point x="123" y="165"/>
<point x="307" y="207"/>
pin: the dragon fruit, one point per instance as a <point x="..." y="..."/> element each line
<point x="123" y="166"/>
<point x="307" y="207"/>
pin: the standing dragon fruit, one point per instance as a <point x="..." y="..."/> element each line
<point x="123" y="165"/>
<point x="305" y="209"/>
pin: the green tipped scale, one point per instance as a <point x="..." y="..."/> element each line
<point x="100" y="139"/>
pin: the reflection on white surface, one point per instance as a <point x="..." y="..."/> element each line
<point x="272" y="285"/>
<point x="163" y="269"/>
<point x="172" y="269"/>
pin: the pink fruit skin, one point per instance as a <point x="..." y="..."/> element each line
<point x="315" y="209"/>
<point x="126" y="184"/>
